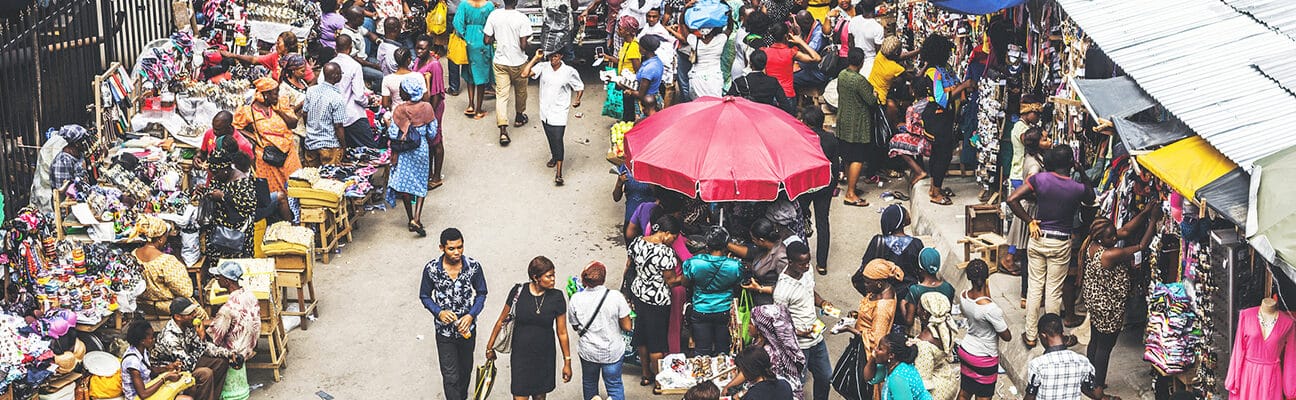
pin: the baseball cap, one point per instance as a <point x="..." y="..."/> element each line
<point x="228" y="269"/>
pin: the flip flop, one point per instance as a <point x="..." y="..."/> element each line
<point x="551" y="163"/>
<point x="944" y="201"/>
<point x="856" y="203"/>
<point x="435" y="184"/>
<point x="900" y="196"/>
<point x="558" y="181"/>
<point x="479" y="115"/>
<point x="822" y="269"/>
<point x="521" y="121"/>
<point x="470" y="112"/>
<point x="947" y="192"/>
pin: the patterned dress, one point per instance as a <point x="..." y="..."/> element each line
<point x="165" y="278"/>
<point x="270" y="129"/>
<point x="940" y="377"/>
<point x="410" y="175"/>
<point x="238" y="207"/>
<point x="237" y="325"/>
<point x="1105" y="292"/>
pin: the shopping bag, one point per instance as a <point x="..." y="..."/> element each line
<point x="742" y="312"/>
<point x="485" y="380"/>
<point x="847" y="377"/>
<point x="707" y="14"/>
<point x="457" y="50"/>
<point x="436" y="19"/>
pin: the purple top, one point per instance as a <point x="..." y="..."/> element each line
<point x="329" y="25"/>
<point x="642" y="216"/>
<point x="1058" y="198"/>
<point x="436" y="85"/>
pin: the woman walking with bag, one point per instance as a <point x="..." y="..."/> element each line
<point x="599" y="316"/>
<point x="270" y="125"/>
<point x="412" y="121"/>
<point x="534" y="309"/>
<point x="469" y="22"/>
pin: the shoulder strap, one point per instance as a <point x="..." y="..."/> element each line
<point x="585" y="327"/>
<point x="513" y="301"/>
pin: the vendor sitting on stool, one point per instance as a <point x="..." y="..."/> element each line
<point x="234" y="330"/>
<point x="165" y="277"/>
<point x="181" y="341"/>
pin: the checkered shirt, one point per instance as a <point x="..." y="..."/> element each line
<point x="1059" y="374"/>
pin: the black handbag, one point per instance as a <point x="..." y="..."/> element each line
<point x="228" y="240"/>
<point x="882" y="129"/>
<point x="270" y="153"/>
<point x="401" y="142"/>
<point x="848" y="376"/>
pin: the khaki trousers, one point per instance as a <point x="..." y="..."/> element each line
<point x="510" y="87"/>
<point x="1048" y="261"/>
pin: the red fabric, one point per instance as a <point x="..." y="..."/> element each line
<point x="781" y="58"/>
<point x="271" y="62"/>
<point x="728" y="149"/>
<point x="209" y="143"/>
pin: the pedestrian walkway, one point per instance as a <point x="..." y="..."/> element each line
<point x="942" y="226"/>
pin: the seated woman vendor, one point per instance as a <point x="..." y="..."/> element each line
<point x="165" y="277"/>
<point x="142" y="382"/>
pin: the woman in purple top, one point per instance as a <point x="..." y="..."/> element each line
<point x="429" y="64"/>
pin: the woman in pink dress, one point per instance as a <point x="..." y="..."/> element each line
<point x="1263" y="366"/>
<point x="429" y="64"/>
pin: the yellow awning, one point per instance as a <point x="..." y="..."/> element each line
<point x="1187" y="165"/>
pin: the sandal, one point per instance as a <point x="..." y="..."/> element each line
<point x="411" y="226"/>
<point x="947" y="192"/>
<point x="504" y="140"/>
<point x="558" y="181"/>
<point x="469" y="112"/>
<point x="823" y="269"/>
<point x="418" y="229"/>
<point x="645" y="381"/>
<point x="1030" y="344"/>
<point x="435" y="184"/>
<point x="480" y="115"/>
<point x="900" y="196"/>
<point x="856" y="203"/>
<point x="942" y="200"/>
<point x="551" y="163"/>
<point x="522" y="120"/>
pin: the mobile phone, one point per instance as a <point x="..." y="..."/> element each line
<point x="599" y="51"/>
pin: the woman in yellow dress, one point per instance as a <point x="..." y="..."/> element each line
<point x="268" y="123"/>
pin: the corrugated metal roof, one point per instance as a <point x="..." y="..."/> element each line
<point x="1277" y="14"/>
<point x="1198" y="59"/>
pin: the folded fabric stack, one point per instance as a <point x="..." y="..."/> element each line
<point x="283" y="238"/>
<point x="357" y="178"/>
<point x="320" y="192"/>
<point x="1172" y="331"/>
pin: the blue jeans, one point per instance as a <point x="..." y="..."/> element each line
<point x="611" y="378"/>
<point x="820" y="368"/>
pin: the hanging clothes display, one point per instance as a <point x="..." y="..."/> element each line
<point x="1263" y="367"/>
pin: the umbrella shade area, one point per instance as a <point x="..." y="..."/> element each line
<point x="727" y="149"/>
<point x="1271" y="223"/>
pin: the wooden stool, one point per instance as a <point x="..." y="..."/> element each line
<point x="989" y="247"/>
<point x="295" y="272"/>
<point x="324" y="223"/>
<point x="343" y="222"/>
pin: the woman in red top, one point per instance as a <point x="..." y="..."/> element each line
<point x="783" y="55"/>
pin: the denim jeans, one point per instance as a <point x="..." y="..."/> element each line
<point x="710" y="332"/>
<point x="611" y="379"/>
<point x="682" y="68"/>
<point x="820" y="367"/>
<point x="455" y="80"/>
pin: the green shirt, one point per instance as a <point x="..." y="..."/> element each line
<point x="855" y="105"/>
<point x="714" y="278"/>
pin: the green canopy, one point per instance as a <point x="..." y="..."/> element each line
<point x="1271" y="220"/>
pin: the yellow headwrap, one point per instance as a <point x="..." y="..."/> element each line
<point x="1031" y="107"/>
<point x="150" y="227"/>
<point x="880" y="269"/>
<point x="264" y="84"/>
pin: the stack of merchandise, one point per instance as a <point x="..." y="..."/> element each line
<point x="1173" y="331"/>
<point x="679" y="372"/>
<point x="25" y="355"/>
<point x="312" y="190"/>
<point x="990" y="123"/>
<point x="283" y="238"/>
<point x="356" y="177"/>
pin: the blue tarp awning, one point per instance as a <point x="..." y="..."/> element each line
<point x="976" y="7"/>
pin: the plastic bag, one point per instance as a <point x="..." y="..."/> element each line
<point x="436" y="19"/>
<point x="707" y="14"/>
<point x="485" y="381"/>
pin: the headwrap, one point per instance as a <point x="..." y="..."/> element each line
<point x="929" y="260"/>
<point x="1031" y="108"/>
<point x="893" y="218"/>
<point x="150" y="227"/>
<point x="73" y="133"/>
<point x="413" y="85"/>
<point x="219" y="160"/>
<point x="774" y="323"/>
<point x="628" y="23"/>
<point x="938" y="321"/>
<point x="293" y="61"/>
<point x="881" y="269"/>
<point x="264" y="84"/>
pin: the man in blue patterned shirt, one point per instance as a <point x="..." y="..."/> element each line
<point x="454" y="290"/>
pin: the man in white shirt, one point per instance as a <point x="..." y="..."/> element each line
<point x="666" y="53"/>
<point x="796" y="290"/>
<point x="557" y="82"/>
<point x="508" y="30"/>
<point x="355" y="30"/>
<point x="352" y="87"/>
<point x="866" y="32"/>
<point x="598" y="316"/>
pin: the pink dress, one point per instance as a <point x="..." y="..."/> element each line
<point x="1263" y="368"/>
<point x="436" y="85"/>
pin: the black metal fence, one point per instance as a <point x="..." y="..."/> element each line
<point x="49" y="55"/>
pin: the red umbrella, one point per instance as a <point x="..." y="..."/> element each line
<point x="727" y="149"/>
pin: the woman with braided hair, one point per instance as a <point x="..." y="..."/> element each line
<point x="1106" y="284"/>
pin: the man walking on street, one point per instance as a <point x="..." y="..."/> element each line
<point x="796" y="291"/>
<point x="1058" y="374"/>
<point x="1049" y="249"/>
<point x="326" y="116"/>
<point x="508" y="30"/>
<point x="453" y="289"/>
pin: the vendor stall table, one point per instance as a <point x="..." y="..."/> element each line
<point x="331" y="224"/>
<point x="296" y="272"/>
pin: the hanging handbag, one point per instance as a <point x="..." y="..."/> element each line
<point x="847" y="376"/>
<point x="436" y="19"/>
<point x="401" y="142"/>
<point x="229" y="240"/>
<point x="485" y="381"/>
<point x="504" y="341"/>
<point x="270" y="153"/>
<point x="457" y="49"/>
<point x="882" y="129"/>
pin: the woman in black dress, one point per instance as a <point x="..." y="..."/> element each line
<point x="539" y="308"/>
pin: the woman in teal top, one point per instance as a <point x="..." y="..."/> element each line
<point x="893" y="363"/>
<point x="713" y="276"/>
<point x="468" y="22"/>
